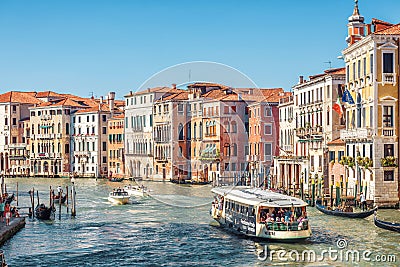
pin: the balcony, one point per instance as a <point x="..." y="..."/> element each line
<point x="252" y="158"/>
<point x="45" y="117"/>
<point x="388" y="132"/>
<point x="82" y="153"/>
<point x="355" y="133"/>
<point x="287" y="147"/>
<point x="16" y="145"/>
<point x="6" y="127"/>
<point x="389" y="78"/>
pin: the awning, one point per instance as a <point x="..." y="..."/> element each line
<point x="45" y="126"/>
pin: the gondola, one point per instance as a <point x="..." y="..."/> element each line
<point x="115" y="179"/>
<point x="44" y="213"/>
<point x="358" y="215"/>
<point x="387" y="225"/>
<point x="56" y="199"/>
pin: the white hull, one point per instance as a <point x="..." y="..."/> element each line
<point x="120" y="200"/>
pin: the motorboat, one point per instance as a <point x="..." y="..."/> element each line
<point x="119" y="197"/>
<point x="135" y="190"/>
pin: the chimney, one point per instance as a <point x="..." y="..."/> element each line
<point x="301" y="79"/>
<point x="111" y="97"/>
<point x="174" y="86"/>
<point x="130" y="92"/>
<point x="369" y="29"/>
<point x="101" y="100"/>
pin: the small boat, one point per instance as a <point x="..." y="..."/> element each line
<point x="44" y="213"/>
<point x="56" y="199"/>
<point x="118" y="196"/>
<point x="115" y="179"/>
<point x="387" y="225"/>
<point x="135" y="190"/>
<point x="254" y="212"/>
<point x="359" y="215"/>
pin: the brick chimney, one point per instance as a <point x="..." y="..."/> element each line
<point x="111" y="98"/>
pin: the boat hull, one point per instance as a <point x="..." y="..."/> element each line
<point x="354" y="215"/>
<point x="387" y="225"/>
<point x="249" y="227"/>
<point x="119" y="200"/>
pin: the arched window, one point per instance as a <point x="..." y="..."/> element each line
<point x="67" y="129"/>
<point x="201" y="130"/>
<point x="194" y="130"/>
<point x="189" y="130"/>
<point x="59" y="128"/>
<point x="227" y="127"/>
<point x="180" y="131"/>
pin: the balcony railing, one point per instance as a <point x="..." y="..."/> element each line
<point x="389" y="78"/>
<point x="355" y="133"/>
<point x="388" y="131"/>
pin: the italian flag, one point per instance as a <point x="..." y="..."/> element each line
<point x="338" y="108"/>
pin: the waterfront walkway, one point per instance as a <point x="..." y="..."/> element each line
<point x="6" y="232"/>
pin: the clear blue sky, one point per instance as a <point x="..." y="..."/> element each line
<point x="83" y="46"/>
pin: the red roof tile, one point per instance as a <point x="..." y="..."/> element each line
<point x="337" y="142"/>
<point x="47" y="94"/>
<point x="19" y="97"/>
<point x="395" y="29"/>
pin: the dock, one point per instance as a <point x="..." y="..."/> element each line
<point x="6" y="232"/>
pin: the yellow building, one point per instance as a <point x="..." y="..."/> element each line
<point x="371" y="109"/>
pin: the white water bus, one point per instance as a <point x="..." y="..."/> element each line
<point x="119" y="197"/>
<point x="135" y="190"/>
<point x="260" y="213"/>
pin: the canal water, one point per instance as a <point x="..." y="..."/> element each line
<point x="173" y="228"/>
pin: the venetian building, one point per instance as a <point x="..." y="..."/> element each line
<point x="115" y="147"/>
<point x="171" y="135"/>
<point x="139" y="141"/>
<point x="371" y="102"/>
<point x="316" y="124"/>
<point x="14" y="110"/>
<point x="50" y="136"/>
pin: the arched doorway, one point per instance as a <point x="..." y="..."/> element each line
<point x="45" y="167"/>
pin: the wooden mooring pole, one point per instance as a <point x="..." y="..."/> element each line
<point x="17" y="194"/>
<point x="59" y="204"/>
<point x="73" y="194"/>
<point x="67" y="199"/>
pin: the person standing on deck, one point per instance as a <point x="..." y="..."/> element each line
<point x="7" y="213"/>
<point x="363" y="201"/>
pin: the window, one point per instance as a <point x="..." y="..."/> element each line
<point x="387" y="62"/>
<point x="268" y="112"/>
<point x="340" y="155"/>
<point x="388" y="176"/>
<point x="268" y="151"/>
<point x="359" y="69"/>
<point x="87" y="118"/>
<point x="79" y="119"/>
<point x="104" y="146"/>
<point x="66" y="148"/>
<point x="371" y="63"/>
<point x="14" y="121"/>
<point x="371" y="116"/>
<point x="104" y="130"/>
<point x="180" y="131"/>
<point x="388" y="150"/>
<point x="104" y="159"/>
<point x="151" y="120"/>
<point x="332" y="156"/>
<point x="234" y="127"/>
<point x="347" y="73"/>
<point x="364" y="66"/>
<point x="328" y="91"/>
<point x="268" y="129"/>
<point x="104" y="117"/>
<point x="234" y="150"/>
<point x="67" y="128"/>
<point x="354" y="71"/>
<point x="387" y="116"/>
<point x="32" y="113"/>
<point x="93" y="118"/>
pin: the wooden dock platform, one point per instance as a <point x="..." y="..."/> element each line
<point x="6" y="232"/>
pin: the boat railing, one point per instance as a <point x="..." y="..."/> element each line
<point x="291" y="226"/>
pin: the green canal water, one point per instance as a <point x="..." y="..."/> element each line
<point x="173" y="228"/>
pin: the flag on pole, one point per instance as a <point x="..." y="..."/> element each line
<point x="347" y="97"/>
<point x="338" y="108"/>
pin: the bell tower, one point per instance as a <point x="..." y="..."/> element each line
<point x="356" y="26"/>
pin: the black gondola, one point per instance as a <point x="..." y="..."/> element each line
<point x="56" y="199"/>
<point x="387" y="225"/>
<point x="359" y="215"/>
<point x="44" y="213"/>
<point x="116" y="179"/>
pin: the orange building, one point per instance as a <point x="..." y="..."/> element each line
<point x="115" y="146"/>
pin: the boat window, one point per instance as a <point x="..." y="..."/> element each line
<point x="247" y="211"/>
